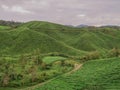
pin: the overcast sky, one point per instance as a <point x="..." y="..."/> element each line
<point x="74" y="12"/>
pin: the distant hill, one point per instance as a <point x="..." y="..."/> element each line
<point x="9" y="23"/>
<point x="43" y="25"/>
<point x="70" y="25"/>
<point x="82" y="25"/>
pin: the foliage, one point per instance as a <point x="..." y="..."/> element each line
<point x="91" y="56"/>
<point x="9" y="23"/>
<point x="100" y="74"/>
<point x="115" y="52"/>
<point x="71" y="41"/>
<point x="29" y="70"/>
<point x="51" y="59"/>
<point x="36" y="51"/>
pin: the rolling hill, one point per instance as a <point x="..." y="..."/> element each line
<point x="61" y="48"/>
<point x="51" y="37"/>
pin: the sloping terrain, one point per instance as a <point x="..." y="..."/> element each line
<point x="94" y="75"/>
<point x="51" y="37"/>
<point x="26" y="41"/>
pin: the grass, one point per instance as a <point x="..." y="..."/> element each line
<point x="7" y="88"/>
<point x="27" y="65"/>
<point x="94" y="75"/>
<point x="51" y="59"/>
<point x="26" y="41"/>
<point x="68" y="40"/>
<point x="4" y="27"/>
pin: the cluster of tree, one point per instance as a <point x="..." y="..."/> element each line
<point x="115" y="52"/>
<point x="25" y="70"/>
<point x="29" y="69"/>
<point x="91" y="56"/>
<point x="62" y="55"/>
<point x="9" y="23"/>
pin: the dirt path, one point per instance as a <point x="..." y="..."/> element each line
<point x="35" y="86"/>
<point x="76" y="67"/>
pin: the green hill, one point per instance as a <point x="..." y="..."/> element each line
<point x="60" y="49"/>
<point x="94" y="75"/>
<point x="43" y="25"/>
<point x="51" y="37"/>
<point x="88" y="39"/>
<point x="26" y="41"/>
<point x="29" y="40"/>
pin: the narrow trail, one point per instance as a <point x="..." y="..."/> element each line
<point x="76" y="67"/>
<point x="35" y="86"/>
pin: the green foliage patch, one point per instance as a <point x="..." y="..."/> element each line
<point x="101" y="74"/>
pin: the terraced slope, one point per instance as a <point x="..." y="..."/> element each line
<point x="26" y="41"/>
<point x="51" y="37"/>
<point x="88" y="39"/>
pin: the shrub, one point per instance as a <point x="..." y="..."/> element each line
<point x="115" y="52"/>
<point x="91" y="56"/>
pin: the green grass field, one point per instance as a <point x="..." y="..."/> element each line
<point x="4" y="27"/>
<point x="94" y="75"/>
<point x="51" y="59"/>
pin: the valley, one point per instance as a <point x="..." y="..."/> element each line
<point x="40" y="55"/>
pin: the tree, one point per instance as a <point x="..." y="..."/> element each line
<point x="23" y="61"/>
<point x="33" y="72"/>
<point x="13" y="24"/>
<point x="115" y="52"/>
<point x="43" y="66"/>
<point x="37" y="57"/>
<point x="5" y="79"/>
<point x="91" y="56"/>
<point x="6" y="76"/>
<point x="62" y="63"/>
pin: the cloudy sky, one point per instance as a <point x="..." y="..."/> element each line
<point x="74" y="12"/>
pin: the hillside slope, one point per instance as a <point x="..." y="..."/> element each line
<point x="79" y="38"/>
<point x="51" y="37"/>
<point x="26" y="41"/>
<point x="94" y="75"/>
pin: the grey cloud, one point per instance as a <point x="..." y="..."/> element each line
<point x="92" y="12"/>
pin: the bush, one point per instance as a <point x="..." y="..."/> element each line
<point x="115" y="52"/>
<point x="91" y="56"/>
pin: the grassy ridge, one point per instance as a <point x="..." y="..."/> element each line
<point x="51" y="37"/>
<point x="43" y="25"/>
<point x="26" y="41"/>
<point x="88" y="39"/>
